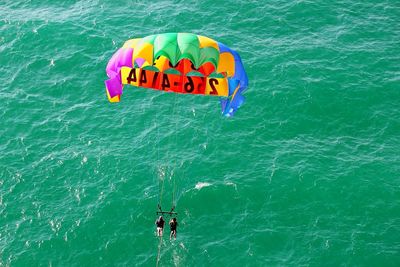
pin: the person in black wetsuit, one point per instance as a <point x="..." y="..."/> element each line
<point x="173" y="224"/>
<point x="160" y="226"/>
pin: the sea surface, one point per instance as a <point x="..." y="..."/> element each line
<point x="307" y="172"/>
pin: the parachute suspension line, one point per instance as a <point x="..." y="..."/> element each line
<point x="161" y="190"/>
<point x="159" y="172"/>
<point x="159" y="251"/>
<point x="175" y="157"/>
<point x="157" y="143"/>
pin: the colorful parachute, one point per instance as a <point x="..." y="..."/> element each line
<point x="182" y="63"/>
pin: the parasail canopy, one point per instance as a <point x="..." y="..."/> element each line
<point x="181" y="63"/>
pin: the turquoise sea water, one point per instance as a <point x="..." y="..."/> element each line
<point x="306" y="174"/>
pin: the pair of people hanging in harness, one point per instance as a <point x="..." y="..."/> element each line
<point x="173" y="223"/>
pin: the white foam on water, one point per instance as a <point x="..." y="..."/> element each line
<point x="200" y="185"/>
